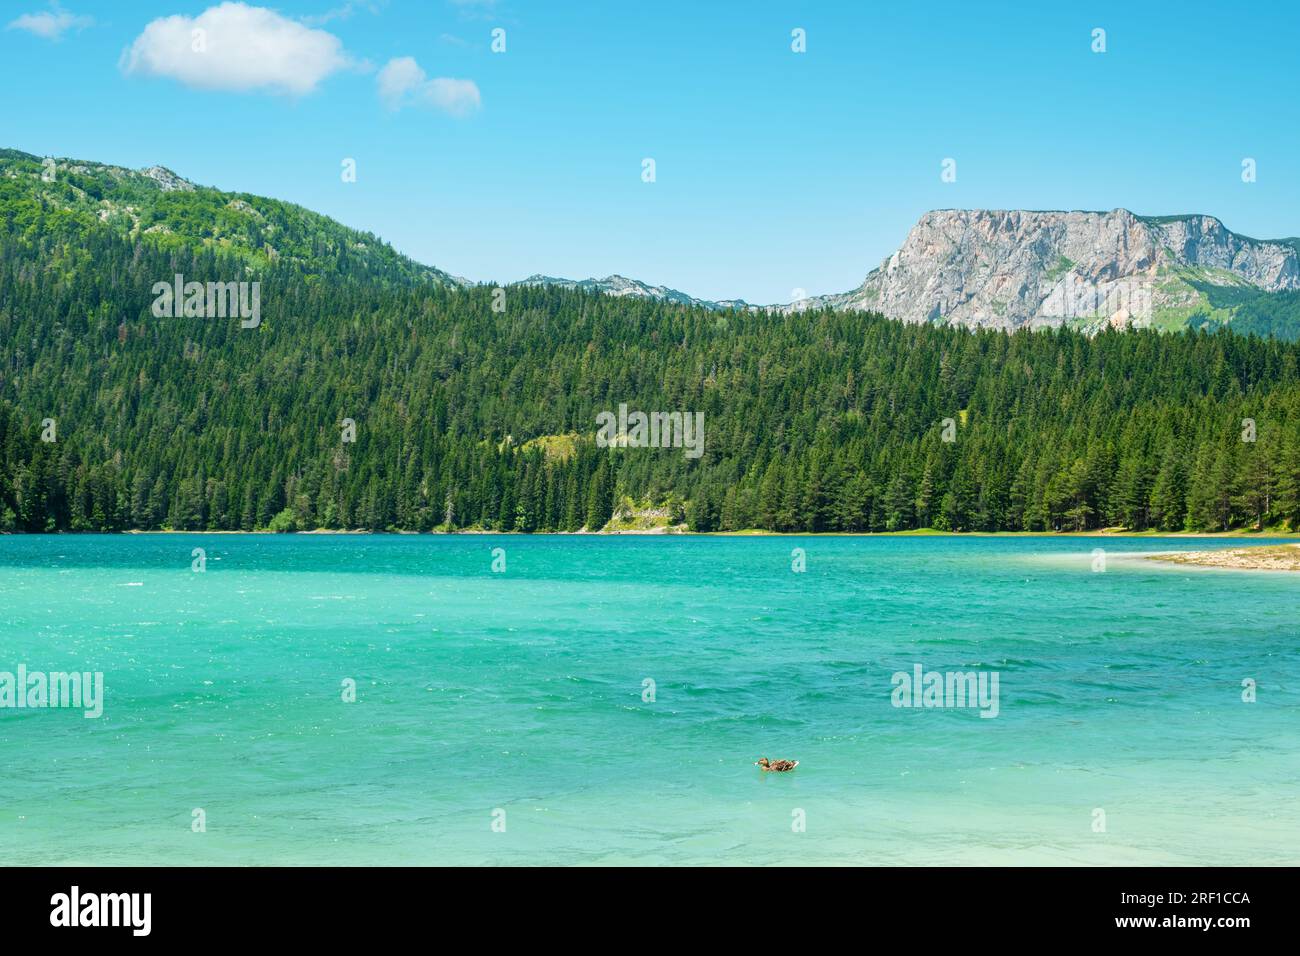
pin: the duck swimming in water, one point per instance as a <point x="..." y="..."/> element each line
<point x="776" y="766"/>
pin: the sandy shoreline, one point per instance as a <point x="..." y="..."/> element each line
<point x="1275" y="557"/>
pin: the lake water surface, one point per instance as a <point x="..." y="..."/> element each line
<point x="521" y="697"/>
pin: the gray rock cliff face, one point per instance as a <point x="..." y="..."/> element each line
<point x="1011" y="268"/>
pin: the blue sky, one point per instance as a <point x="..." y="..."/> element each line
<point x="775" y="170"/>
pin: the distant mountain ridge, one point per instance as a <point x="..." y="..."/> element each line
<point x="1012" y="268"/>
<point x="1009" y="269"/>
<point x="1004" y="269"/>
<point x="621" y="286"/>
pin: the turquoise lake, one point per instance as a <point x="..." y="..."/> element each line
<point x="517" y="697"/>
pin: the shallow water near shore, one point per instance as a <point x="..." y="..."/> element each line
<point x="522" y="692"/>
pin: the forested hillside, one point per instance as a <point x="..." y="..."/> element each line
<point x="64" y="198"/>
<point x="470" y="417"/>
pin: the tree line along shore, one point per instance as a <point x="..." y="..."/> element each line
<point x="476" y="410"/>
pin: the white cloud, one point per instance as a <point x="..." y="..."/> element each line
<point x="397" y="78"/>
<point x="50" y="24"/>
<point x="402" y="82"/>
<point x="237" y="47"/>
<point x="457" y="97"/>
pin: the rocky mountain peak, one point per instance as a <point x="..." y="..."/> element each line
<point x="1008" y="268"/>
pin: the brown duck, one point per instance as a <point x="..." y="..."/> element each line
<point x="776" y="766"/>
